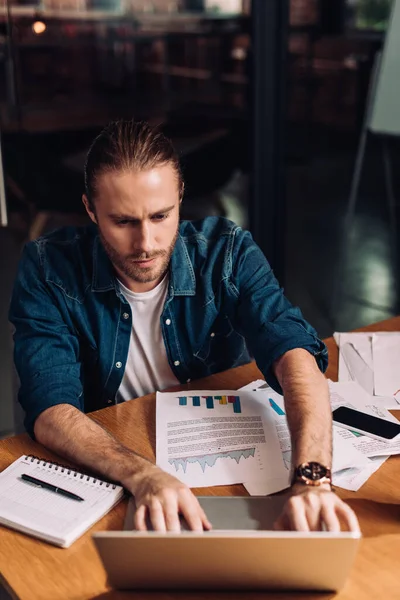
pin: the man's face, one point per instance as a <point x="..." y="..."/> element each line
<point x="138" y="216"/>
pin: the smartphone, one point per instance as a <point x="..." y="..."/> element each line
<point x="368" y="425"/>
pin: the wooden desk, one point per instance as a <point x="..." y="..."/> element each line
<point x="32" y="570"/>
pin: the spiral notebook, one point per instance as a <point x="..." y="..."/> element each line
<point x="45" y="514"/>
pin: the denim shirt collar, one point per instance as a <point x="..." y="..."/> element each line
<point x="182" y="277"/>
<point x="103" y="279"/>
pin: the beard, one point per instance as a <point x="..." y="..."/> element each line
<point x="128" y="266"/>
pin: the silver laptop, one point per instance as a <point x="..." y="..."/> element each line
<point x="240" y="552"/>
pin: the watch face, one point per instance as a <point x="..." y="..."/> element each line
<point x="313" y="471"/>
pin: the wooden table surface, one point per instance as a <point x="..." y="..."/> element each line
<point x="34" y="570"/>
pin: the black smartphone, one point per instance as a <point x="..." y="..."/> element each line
<point x="369" y="425"/>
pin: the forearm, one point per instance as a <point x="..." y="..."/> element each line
<point x="307" y="406"/>
<point x="73" y="435"/>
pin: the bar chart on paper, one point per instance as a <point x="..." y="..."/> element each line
<point x="210" y="401"/>
<point x="214" y="438"/>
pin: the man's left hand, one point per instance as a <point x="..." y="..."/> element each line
<point x="315" y="509"/>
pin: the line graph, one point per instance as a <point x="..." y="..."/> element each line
<point x="209" y="460"/>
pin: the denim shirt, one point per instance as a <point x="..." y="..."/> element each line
<point x="73" y="326"/>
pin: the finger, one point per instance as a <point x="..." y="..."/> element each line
<point x="329" y="517"/>
<point x="349" y="517"/>
<point x="139" y="519"/>
<point x="296" y="514"/>
<point x="193" y="513"/>
<point x="172" y="522"/>
<point x="312" y="505"/>
<point x="157" y="516"/>
<point x="204" y="519"/>
<point x="282" y="523"/>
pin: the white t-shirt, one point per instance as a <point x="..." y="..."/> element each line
<point x="147" y="367"/>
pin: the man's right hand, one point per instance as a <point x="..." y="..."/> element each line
<point x="162" y="498"/>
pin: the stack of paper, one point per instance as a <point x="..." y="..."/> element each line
<point x="373" y="360"/>
<point x="208" y="438"/>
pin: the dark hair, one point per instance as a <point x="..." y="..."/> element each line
<point x="128" y="145"/>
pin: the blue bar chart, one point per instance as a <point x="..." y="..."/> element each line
<point x="211" y="401"/>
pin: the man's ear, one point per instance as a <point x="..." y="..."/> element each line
<point x="89" y="211"/>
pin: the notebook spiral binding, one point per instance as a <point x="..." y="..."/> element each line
<point x="74" y="472"/>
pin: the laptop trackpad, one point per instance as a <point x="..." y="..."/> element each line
<point x="230" y="512"/>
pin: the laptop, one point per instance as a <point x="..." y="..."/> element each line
<point x="240" y="552"/>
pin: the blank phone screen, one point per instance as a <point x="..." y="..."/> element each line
<point x="368" y="423"/>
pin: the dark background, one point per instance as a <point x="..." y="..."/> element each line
<point x="265" y="107"/>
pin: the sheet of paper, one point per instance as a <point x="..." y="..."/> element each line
<point x="386" y="356"/>
<point x="387" y="402"/>
<point x="353" y="479"/>
<point x="270" y="486"/>
<point x="217" y="438"/>
<point x="361" y="342"/>
<point x="359" y="370"/>
<point x="368" y="446"/>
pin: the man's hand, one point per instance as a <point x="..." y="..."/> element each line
<point x="315" y="509"/>
<point x="162" y="498"/>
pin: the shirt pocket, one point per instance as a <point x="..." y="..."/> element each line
<point x="215" y="340"/>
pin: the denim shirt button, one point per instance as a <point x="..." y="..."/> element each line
<point x="212" y="334"/>
<point x="177" y="363"/>
<point x="126" y="315"/>
<point x="168" y="322"/>
<point x="118" y="364"/>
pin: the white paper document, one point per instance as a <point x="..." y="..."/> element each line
<point x="352" y="479"/>
<point x="272" y="485"/>
<point x="362" y="343"/>
<point x="386" y="356"/>
<point x="359" y="370"/>
<point x="207" y="438"/>
<point x="372" y="359"/>
<point x="370" y="447"/>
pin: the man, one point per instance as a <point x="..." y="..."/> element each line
<point x="138" y="302"/>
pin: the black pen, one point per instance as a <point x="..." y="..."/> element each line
<point x="51" y="487"/>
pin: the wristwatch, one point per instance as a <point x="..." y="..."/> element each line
<point x="312" y="474"/>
